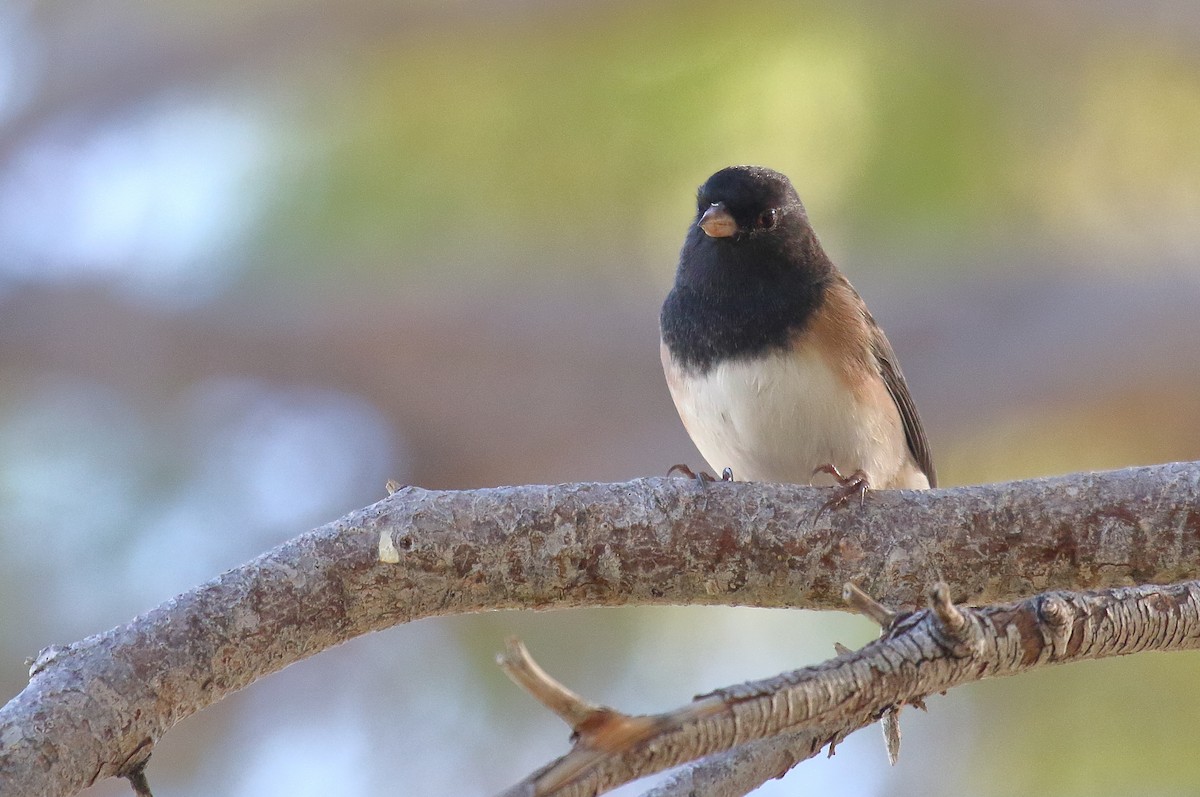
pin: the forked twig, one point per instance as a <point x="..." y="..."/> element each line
<point x="921" y="653"/>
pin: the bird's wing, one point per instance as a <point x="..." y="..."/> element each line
<point x="914" y="434"/>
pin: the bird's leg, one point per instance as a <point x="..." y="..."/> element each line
<point x="703" y="477"/>
<point x="856" y="482"/>
<point x="683" y="470"/>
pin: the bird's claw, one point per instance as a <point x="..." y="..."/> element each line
<point x="856" y="483"/>
<point x="703" y="477"/>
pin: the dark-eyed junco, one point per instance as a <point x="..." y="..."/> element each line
<point x="776" y="366"/>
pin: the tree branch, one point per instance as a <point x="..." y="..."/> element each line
<point x="924" y="652"/>
<point x="95" y="708"/>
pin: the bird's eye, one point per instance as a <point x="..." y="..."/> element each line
<point x="767" y="219"/>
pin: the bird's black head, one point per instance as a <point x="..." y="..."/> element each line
<point x="750" y="225"/>
<point x="741" y="202"/>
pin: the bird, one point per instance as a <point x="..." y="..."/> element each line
<point x="778" y="370"/>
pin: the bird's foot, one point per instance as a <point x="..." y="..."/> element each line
<point x="703" y="477"/>
<point x="856" y="483"/>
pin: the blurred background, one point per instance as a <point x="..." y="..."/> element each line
<point x="258" y="258"/>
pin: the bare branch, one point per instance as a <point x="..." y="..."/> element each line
<point x="926" y="652"/>
<point x="95" y="708"/>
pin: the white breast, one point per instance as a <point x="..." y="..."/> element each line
<point x="778" y="417"/>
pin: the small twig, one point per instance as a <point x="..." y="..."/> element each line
<point x="527" y="674"/>
<point x="890" y="723"/>
<point x="867" y="606"/>
<point x="599" y="733"/>
<point x="954" y="628"/>
<point x="953" y="621"/>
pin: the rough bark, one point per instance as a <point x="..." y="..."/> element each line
<point x="921" y="653"/>
<point x="95" y="708"/>
<point x="743" y="769"/>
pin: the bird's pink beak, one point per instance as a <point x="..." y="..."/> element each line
<point x="717" y="223"/>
